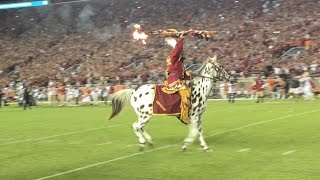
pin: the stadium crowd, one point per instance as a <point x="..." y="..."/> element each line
<point x="90" y="42"/>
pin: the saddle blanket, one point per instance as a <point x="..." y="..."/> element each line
<point x="166" y="104"/>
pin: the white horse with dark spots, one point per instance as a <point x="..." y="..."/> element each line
<point x="142" y="98"/>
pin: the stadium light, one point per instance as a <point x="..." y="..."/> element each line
<point x="24" y="4"/>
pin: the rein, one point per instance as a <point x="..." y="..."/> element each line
<point x="214" y="79"/>
<point x="211" y="78"/>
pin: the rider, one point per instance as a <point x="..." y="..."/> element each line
<point x="176" y="75"/>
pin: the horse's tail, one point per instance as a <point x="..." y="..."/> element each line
<point x="118" y="101"/>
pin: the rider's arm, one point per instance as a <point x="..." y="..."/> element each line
<point x="177" y="50"/>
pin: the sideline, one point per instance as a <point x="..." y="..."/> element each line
<point x="172" y="145"/>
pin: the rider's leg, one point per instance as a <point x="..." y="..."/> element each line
<point x="185" y="103"/>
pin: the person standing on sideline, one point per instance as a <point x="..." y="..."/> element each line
<point x="231" y="91"/>
<point x="26" y="98"/>
<point x="222" y="90"/>
<point x="94" y="95"/>
<point x="307" y="86"/>
<point x="295" y="91"/>
<point x="1" y="95"/>
<point x="52" y="94"/>
<point x="76" y="93"/>
<point x="259" y="87"/>
<point x="105" y="94"/>
<point x="61" y="91"/>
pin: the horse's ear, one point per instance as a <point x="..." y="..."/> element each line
<point x="213" y="60"/>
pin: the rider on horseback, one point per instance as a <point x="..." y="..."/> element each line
<point x="176" y="75"/>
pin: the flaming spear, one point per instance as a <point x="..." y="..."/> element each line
<point x="200" y="34"/>
<point x="138" y="35"/>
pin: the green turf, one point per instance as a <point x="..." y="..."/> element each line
<point x="46" y="141"/>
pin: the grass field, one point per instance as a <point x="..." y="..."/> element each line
<point x="273" y="140"/>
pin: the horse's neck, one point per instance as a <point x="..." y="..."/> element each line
<point x="203" y="82"/>
<point x="202" y="85"/>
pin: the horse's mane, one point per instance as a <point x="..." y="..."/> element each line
<point x="198" y="71"/>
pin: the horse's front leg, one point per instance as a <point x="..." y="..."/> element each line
<point x="203" y="143"/>
<point x="193" y="132"/>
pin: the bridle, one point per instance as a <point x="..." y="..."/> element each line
<point x="213" y="79"/>
<point x="206" y="77"/>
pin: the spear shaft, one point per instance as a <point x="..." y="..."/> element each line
<point x="201" y="34"/>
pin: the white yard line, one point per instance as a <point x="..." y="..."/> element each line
<point x="53" y="140"/>
<point x="130" y="145"/>
<point x="167" y="146"/>
<point x="266" y="121"/>
<point x="6" y="139"/>
<point x="233" y="108"/>
<point x="288" y="152"/>
<point x="244" y="150"/>
<point x="59" y="135"/>
<point x="76" y="142"/>
<point x="105" y="143"/>
<point x="31" y="123"/>
<point x="104" y="162"/>
<point x="35" y="122"/>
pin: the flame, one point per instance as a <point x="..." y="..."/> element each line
<point x="138" y="35"/>
<point x="137" y="26"/>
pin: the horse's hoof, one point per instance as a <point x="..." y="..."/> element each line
<point x="141" y="147"/>
<point x="184" y="148"/>
<point x="151" y="145"/>
<point x="208" y="150"/>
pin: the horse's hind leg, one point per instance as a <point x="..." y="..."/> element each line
<point x="142" y="135"/>
<point x="147" y="137"/>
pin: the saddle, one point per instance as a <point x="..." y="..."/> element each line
<point x="176" y="103"/>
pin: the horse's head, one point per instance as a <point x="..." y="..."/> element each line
<point x="215" y="70"/>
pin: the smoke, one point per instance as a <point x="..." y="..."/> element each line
<point x="85" y="23"/>
<point x="91" y="18"/>
<point x="107" y="32"/>
<point x="65" y="14"/>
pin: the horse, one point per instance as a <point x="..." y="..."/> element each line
<point x="141" y="99"/>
